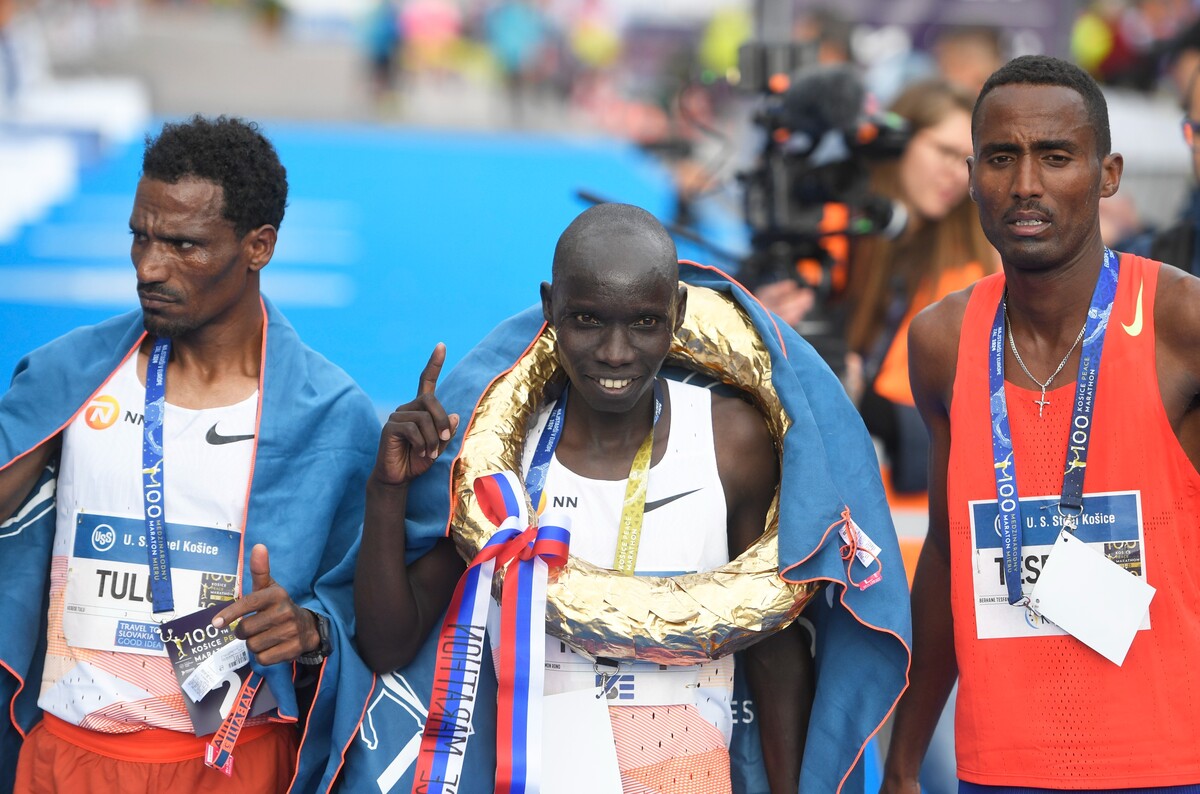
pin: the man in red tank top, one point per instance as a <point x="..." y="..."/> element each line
<point x="1027" y="466"/>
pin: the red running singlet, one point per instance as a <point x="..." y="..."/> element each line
<point x="1037" y="710"/>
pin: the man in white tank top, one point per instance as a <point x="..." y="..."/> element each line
<point x="174" y="429"/>
<point x="711" y="471"/>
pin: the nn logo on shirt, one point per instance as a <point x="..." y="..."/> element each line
<point x="102" y="412"/>
<point x="565" y="501"/>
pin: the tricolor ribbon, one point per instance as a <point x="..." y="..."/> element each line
<point x="533" y="551"/>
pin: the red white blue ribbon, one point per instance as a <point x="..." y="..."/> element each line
<point x="533" y="551"/>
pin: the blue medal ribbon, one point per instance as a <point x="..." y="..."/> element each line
<point x="539" y="466"/>
<point x="1004" y="459"/>
<point x="152" y="477"/>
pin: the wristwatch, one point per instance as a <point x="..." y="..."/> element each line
<point x="325" y="648"/>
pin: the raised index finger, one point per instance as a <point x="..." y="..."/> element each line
<point x="433" y="368"/>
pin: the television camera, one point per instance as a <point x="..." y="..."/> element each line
<point x="808" y="192"/>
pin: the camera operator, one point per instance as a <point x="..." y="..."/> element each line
<point x="942" y="249"/>
<point x="929" y="245"/>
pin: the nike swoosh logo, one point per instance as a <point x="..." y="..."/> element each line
<point x="1135" y="327"/>
<point x="657" y="503"/>
<point x="216" y="438"/>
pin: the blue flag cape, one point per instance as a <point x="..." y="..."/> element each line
<point x="316" y="444"/>
<point x="828" y="463"/>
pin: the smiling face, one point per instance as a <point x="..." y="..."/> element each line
<point x="1037" y="175"/>
<point x="614" y="307"/>
<point x="192" y="268"/>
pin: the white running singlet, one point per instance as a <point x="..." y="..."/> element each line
<point x="106" y="669"/>
<point x="671" y="725"/>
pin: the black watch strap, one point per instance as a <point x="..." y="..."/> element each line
<point x="325" y="648"/>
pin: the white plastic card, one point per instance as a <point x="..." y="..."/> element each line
<point x="578" y="751"/>
<point x="1092" y="598"/>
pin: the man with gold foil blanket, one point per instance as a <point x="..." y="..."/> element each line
<point x="710" y="469"/>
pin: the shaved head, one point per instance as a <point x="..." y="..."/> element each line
<point x="614" y="304"/>
<point x="616" y="236"/>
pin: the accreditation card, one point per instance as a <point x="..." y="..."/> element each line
<point x="211" y="663"/>
<point x="1088" y="595"/>
<point x="1111" y="524"/>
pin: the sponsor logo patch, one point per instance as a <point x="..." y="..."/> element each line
<point x="1135" y="328"/>
<point x="657" y="503"/>
<point x="216" y="438"/>
<point x="103" y="537"/>
<point x="102" y="412"/>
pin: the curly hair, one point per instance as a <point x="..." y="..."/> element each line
<point x="228" y="152"/>
<point x="1044" y="70"/>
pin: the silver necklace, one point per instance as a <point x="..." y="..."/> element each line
<point x="1043" y="402"/>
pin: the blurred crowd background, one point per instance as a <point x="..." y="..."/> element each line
<point x="436" y="149"/>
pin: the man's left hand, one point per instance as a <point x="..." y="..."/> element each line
<point x="279" y="630"/>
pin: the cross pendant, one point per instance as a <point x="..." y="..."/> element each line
<point x="1042" y="403"/>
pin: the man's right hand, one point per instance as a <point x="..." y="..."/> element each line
<point x="416" y="432"/>
<point x="397" y="606"/>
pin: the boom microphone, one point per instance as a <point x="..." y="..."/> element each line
<point x="822" y="98"/>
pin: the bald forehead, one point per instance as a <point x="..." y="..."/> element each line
<point x="614" y="280"/>
<point x="625" y="258"/>
<point x="618" y="237"/>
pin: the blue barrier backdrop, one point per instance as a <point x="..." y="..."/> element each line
<point x="393" y="241"/>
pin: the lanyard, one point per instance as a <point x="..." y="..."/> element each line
<point x="539" y="467"/>
<point x="219" y="752"/>
<point x="1004" y="457"/>
<point x="152" y="477"/>
<point x="632" y="509"/>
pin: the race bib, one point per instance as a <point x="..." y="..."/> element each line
<point x="627" y="684"/>
<point x="107" y="601"/>
<point x="1111" y="523"/>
